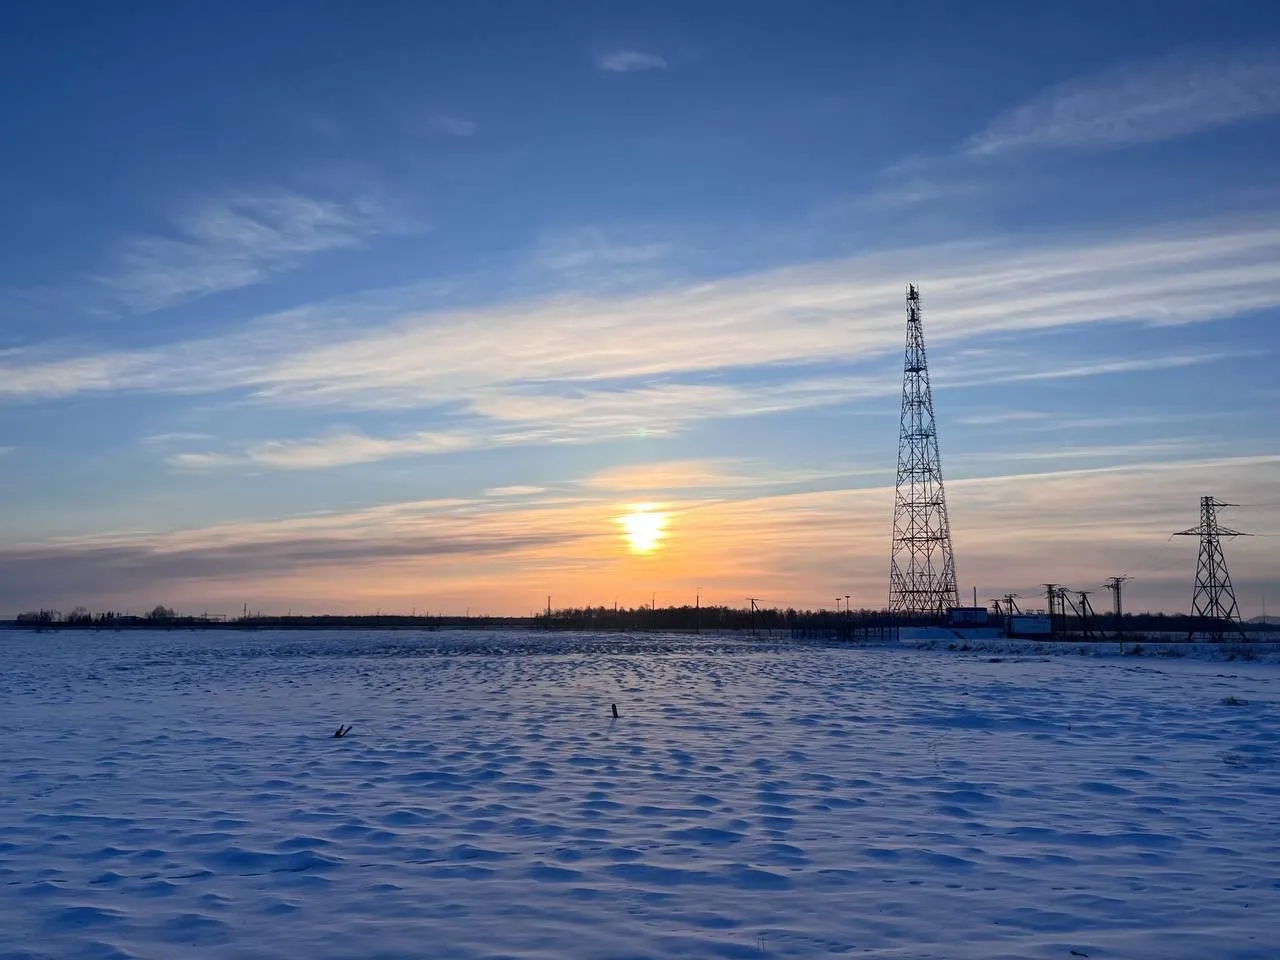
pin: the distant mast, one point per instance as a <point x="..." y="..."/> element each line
<point x="922" y="569"/>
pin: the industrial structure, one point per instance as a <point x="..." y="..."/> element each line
<point x="1213" y="604"/>
<point x="922" y="570"/>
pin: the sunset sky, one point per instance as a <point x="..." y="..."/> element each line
<point x="340" y="307"/>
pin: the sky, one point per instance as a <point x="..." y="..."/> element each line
<point x="449" y="307"/>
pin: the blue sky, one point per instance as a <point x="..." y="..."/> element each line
<point x="336" y="307"/>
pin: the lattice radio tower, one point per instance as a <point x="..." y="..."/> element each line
<point x="1214" y="603"/>
<point x="922" y="569"/>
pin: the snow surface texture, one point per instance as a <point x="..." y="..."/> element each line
<point x="182" y="795"/>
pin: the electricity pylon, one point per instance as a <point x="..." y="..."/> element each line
<point x="922" y="569"/>
<point x="1214" y="601"/>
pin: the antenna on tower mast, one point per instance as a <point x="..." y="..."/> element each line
<point x="1214" y="601"/>
<point x="922" y="570"/>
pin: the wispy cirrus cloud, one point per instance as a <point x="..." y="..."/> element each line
<point x="235" y="242"/>
<point x="723" y="476"/>
<point x="334" y="450"/>
<point x="581" y="412"/>
<point x="543" y="414"/>
<point x="515" y="490"/>
<point x="1037" y="421"/>
<point x="593" y="257"/>
<point x="630" y="61"/>
<point x="504" y="417"/>
<point x="669" y="475"/>
<point x="837" y="311"/>
<point x="51" y="370"/>
<point x="1001" y="417"/>
<point x="1150" y="451"/>
<point x="578" y="367"/>
<point x="1142" y="102"/>
<point x="176" y="436"/>
<point x="1107" y="366"/>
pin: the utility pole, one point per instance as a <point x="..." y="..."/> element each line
<point x="922" y="570"/>
<point x="1116" y="586"/>
<point x="1214" y="600"/>
<point x="1051" y="598"/>
<point x="1086" y="614"/>
<point x="1062" y="596"/>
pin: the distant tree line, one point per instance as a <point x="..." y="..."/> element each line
<point x="682" y="618"/>
<point x="81" y="616"/>
<point x="690" y="618"/>
<point x="686" y="618"/>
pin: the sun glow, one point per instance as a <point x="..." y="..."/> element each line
<point x="644" y="528"/>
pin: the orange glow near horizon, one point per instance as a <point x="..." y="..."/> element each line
<point x="644" y="528"/>
<point x="502" y="555"/>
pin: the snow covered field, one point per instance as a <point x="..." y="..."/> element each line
<point x="181" y="795"/>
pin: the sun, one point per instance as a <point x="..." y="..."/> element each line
<point x="644" y="528"/>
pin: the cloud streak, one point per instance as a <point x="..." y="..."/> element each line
<point x="334" y="450"/>
<point x="577" y="368"/>
<point x="630" y="61"/>
<point x="235" y="242"/>
<point x="515" y="490"/>
<point x="588" y="414"/>
<point x="844" y="310"/>
<point x="1141" y="103"/>
<point x="670" y="475"/>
